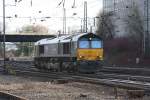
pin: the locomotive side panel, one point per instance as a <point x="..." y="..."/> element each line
<point x="74" y="49"/>
<point x="68" y="49"/>
<point x="50" y="50"/>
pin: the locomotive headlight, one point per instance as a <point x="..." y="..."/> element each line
<point x="99" y="57"/>
<point x="81" y="56"/>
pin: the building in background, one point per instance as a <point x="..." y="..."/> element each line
<point x="121" y="11"/>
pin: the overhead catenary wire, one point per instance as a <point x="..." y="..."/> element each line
<point x="33" y="16"/>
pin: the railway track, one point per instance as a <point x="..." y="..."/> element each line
<point x="105" y="77"/>
<point x="120" y="83"/>
<point x="125" y="77"/>
<point x="8" y="96"/>
<point x="127" y="70"/>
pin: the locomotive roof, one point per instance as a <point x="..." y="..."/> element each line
<point x="63" y="39"/>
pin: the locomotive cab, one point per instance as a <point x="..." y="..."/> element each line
<point x="89" y="52"/>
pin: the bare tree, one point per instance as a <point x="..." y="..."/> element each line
<point x="106" y="27"/>
<point x="135" y="28"/>
<point x="40" y="29"/>
<point x="34" y="29"/>
<point x="135" y="24"/>
<point x="27" y="29"/>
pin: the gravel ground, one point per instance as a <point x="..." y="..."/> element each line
<point x="34" y="88"/>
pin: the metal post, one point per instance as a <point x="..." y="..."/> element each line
<point x="81" y="26"/>
<point x="69" y="30"/>
<point x="91" y="29"/>
<point x="145" y="27"/>
<point x="65" y="20"/>
<point x="146" y="33"/>
<point x="85" y="17"/>
<point x="103" y="12"/>
<point x="114" y="6"/>
<point x="4" y="32"/>
<point x="147" y="16"/>
<point x="64" y="17"/>
<point x="94" y="22"/>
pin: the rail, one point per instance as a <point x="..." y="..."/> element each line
<point x="8" y="96"/>
<point x="116" y="80"/>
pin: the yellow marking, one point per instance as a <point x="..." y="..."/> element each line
<point x="90" y="54"/>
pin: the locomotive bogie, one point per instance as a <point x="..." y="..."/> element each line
<point x="89" y="66"/>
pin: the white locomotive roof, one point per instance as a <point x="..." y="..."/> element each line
<point x="65" y="38"/>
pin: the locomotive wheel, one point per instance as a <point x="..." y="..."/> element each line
<point x="60" y="67"/>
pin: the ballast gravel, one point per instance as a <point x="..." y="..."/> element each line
<point x="34" y="88"/>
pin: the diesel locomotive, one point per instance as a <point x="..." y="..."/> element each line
<point x="81" y="52"/>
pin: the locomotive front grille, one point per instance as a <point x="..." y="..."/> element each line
<point x="90" y="54"/>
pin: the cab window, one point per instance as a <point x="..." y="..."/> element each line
<point x="41" y="49"/>
<point x="84" y="43"/>
<point x="96" y="43"/>
<point x="66" y="48"/>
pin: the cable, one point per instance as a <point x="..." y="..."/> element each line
<point x="60" y="3"/>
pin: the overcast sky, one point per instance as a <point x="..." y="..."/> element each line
<point x="28" y="13"/>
